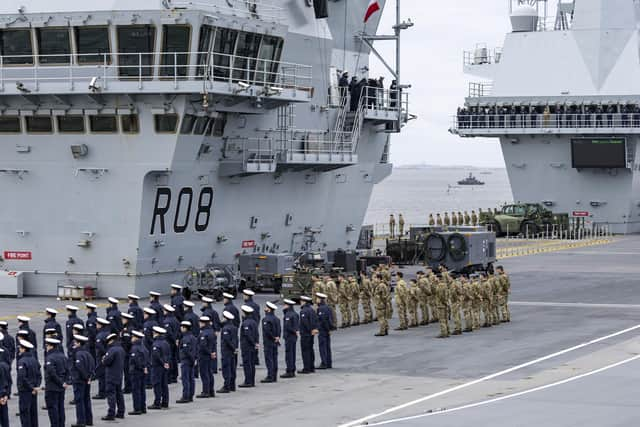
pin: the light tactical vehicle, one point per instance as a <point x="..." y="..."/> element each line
<point x="527" y="219"/>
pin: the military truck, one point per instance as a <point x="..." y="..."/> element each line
<point x="298" y="283"/>
<point x="527" y="219"/>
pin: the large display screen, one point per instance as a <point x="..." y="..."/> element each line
<point x="599" y="153"/>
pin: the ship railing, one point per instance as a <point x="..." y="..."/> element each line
<point x="99" y="71"/>
<point x="477" y="90"/>
<point x="481" y="55"/>
<point x="390" y="100"/>
<point x="547" y="121"/>
<point x="265" y="10"/>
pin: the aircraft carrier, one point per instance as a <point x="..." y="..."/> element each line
<point x="560" y="98"/>
<point x="142" y="139"/>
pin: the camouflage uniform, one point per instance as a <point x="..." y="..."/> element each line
<point x="441" y="299"/>
<point x="487" y="297"/>
<point x="425" y="296"/>
<point x="447" y="221"/>
<point x="402" y="302"/>
<point x="432" y="221"/>
<point x="456" y="305"/>
<point x="439" y="220"/>
<point x="333" y="300"/>
<point x="497" y="290"/>
<point x="467" y="305"/>
<point x="365" y="298"/>
<point x="504" y="296"/>
<point x="400" y="226"/>
<point x="381" y="296"/>
<point x="454" y="219"/>
<point x="433" y="280"/>
<point x="354" y="301"/>
<point x="474" y="218"/>
<point x="392" y="226"/>
<point x="344" y="301"/>
<point x="477" y="303"/>
<point x="467" y="218"/>
<point x="413" y="302"/>
<point x="460" y="219"/>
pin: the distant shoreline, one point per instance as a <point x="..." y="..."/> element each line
<point x="447" y="167"/>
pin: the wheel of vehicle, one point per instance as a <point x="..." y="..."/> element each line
<point x="495" y="227"/>
<point x="277" y="286"/>
<point x="529" y="228"/>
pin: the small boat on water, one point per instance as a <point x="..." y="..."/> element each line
<point x="470" y="180"/>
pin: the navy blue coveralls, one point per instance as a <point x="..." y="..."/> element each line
<point x="29" y="378"/>
<point x="138" y="362"/>
<point x="92" y="330"/>
<point x="248" y="341"/>
<point x="308" y="322"/>
<point x="188" y="353"/>
<point x="229" y="347"/>
<point x="125" y="340"/>
<point x="114" y="369"/>
<point x="208" y="311"/>
<point x="82" y="370"/>
<point x="255" y="316"/>
<point x="160" y="356"/>
<point x="207" y="344"/>
<point x="172" y="325"/>
<point x="325" y="322"/>
<point x="270" y="331"/>
<point x="56" y="374"/>
<point x="290" y="328"/>
<point x="147" y="330"/>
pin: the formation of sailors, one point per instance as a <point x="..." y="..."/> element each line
<point x="151" y="347"/>
<point x="559" y="116"/>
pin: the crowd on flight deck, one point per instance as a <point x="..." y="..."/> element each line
<point x="149" y="348"/>
<point x="397" y="227"/>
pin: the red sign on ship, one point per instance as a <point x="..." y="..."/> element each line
<point x="248" y="244"/>
<point x="17" y="255"/>
<point x="580" y="214"/>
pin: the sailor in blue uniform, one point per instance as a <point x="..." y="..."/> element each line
<point x="125" y="340"/>
<point x="247" y="295"/>
<point x="207" y="348"/>
<point x="271" y="332"/>
<point x="72" y="319"/>
<point x="308" y="330"/>
<point x="160" y="367"/>
<point x="138" y="368"/>
<point x="248" y="344"/>
<point x="91" y="328"/>
<point x="56" y="375"/>
<point x="29" y="379"/>
<point x="229" y="351"/>
<point x="227" y="300"/>
<point x="290" y="333"/>
<point x="325" y="326"/>
<point x="172" y="325"/>
<point x="191" y="317"/>
<point x="188" y="352"/>
<point x="150" y="320"/>
<point x="103" y="331"/>
<point x="51" y="323"/>
<point x="113" y="362"/>
<point x="82" y="368"/>
<point x="214" y="318"/>
<point x="5" y="384"/>
<point x="176" y="301"/>
<point x="113" y="315"/>
<point x="154" y="303"/>
<point x="27" y="334"/>
<point x="135" y="310"/>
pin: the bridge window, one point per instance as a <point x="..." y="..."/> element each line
<point x="201" y="125"/>
<point x="92" y="45"/>
<point x="54" y="46"/>
<point x="130" y="123"/>
<point x="71" y="124"/>
<point x="245" y="58"/>
<point x="219" y="124"/>
<point x="16" y="47"/>
<point x="166" y="123"/>
<point x="176" y="41"/>
<point x="188" y="121"/>
<point x="103" y="124"/>
<point x="207" y="34"/>
<point x="223" y="47"/>
<point x="10" y="124"/>
<point x="39" y="124"/>
<point x="268" y="58"/>
<point x="135" y="49"/>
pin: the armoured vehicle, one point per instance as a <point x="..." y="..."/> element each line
<point x="527" y="219"/>
<point x="569" y="141"/>
<point x="470" y="180"/>
<point x="141" y="138"/>
<point x="298" y="283"/>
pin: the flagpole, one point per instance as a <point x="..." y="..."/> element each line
<point x="398" y="84"/>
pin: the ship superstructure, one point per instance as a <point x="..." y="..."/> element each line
<point x="562" y="98"/>
<point x="143" y="138"/>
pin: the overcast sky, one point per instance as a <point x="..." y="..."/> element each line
<point x="432" y="64"/>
